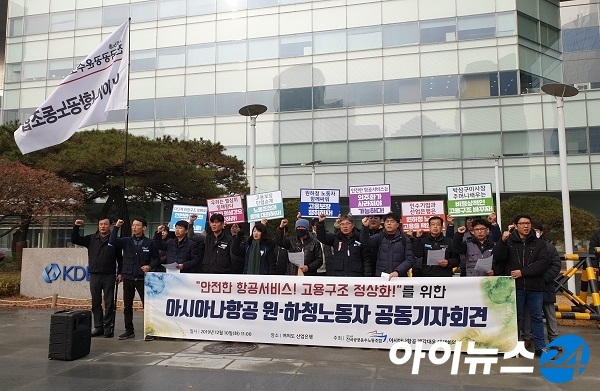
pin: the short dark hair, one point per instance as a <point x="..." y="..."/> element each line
<point x="141" y="220"/>
<point x="435" y="218"/>
<point x="110" y="221"/>
<point x="516" y="219"/>
<point x="537" y="225"/>
<point x="182" y="223"/>
<point x="392" y="215"/>
<point x="218" y="217"/>
<point x="483" y="222"/>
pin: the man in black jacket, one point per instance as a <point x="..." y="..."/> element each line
<point x="103" y="261"/>
<point x="139" y="257"/>
<point x="223" y="254"/>
<point x="300" y="242"/>
<point x="434" y="241"/>
<point x="181" y="250"/>
<point x="350" y="257"/>
<point x="524" y="257"/>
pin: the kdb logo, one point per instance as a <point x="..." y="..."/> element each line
<point x="51" y="273"/>
<point x="71" y="273"/>
<point x="562" y="368"/>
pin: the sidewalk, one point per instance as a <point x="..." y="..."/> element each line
<point x="165" y="364"/>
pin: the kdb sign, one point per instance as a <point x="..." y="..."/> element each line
<point x="53" y="272"/>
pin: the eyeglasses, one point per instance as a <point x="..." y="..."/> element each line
<point x="524" y="223"/>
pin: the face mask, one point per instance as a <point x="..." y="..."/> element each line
<point x="537" y="234"/>
<point x="300" y="232"/>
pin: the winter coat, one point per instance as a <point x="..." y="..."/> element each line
<point x="428" y="242"/>
<point x="268" y="256"/>
<point x="134" y="256"/>
<point x="350" y="257"/>
<point x="471" y="250"/>
<point x="185" y="252"/>
<point x="313" y="255"/>
<point x="102" y="257"/>
<point x="395" y="252"/>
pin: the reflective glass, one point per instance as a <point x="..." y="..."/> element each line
<point x="481" y="145"/>
<point x="115" y="15"/>
<point x="171" y="57"/>
<point x="37" y="24"/>
<point x="331" y="152"/>
<point x="89" y="18"/>
<point x="13" y="73"/>
<point x="201" y="7"/>
<point x="143" y="60"/>
<point x="231" y="52"/>
<point x="479" y="85"/>
<point x="476" y="27"/>
<point x="59" y="69"/>
<point x="528" y="143"/>
<point x="506" y="24"/>
<point x="594" y="139"/>
<point x="528" y="28"/>
<point x="262" y="3"/>
<point x="200" y="106"/>
<point x="508" y="83"/>
<point x="295" y="46"/>
<point x="142" y="109"/>
<point x="62" y="21"/>
<point x="171" y="9"/>
<point x="330" y="42"/>
<point x="364" y="38"/>
<point x="35" y="70"/>
<point x="294" y="99"/>
<point x="401" y="91"/>
<point x="327" y="97"/>
<point x="267" y="98"/>
<point x="529" y="83"/>
<point x="365" y="94"/>
<point x="441" y="147"/>
<point x="439" y="87"/>
<point x="201" y="54"/>
<point x="294" y="154"/>
<point x="15" y="27"/>
<point x="142" y="12"/>
<point x="365" y="151"/>
<point x="231" y="5"/>
<point x="230" y="104"/>
<point x="263" y="49"/>
<point x="402" y="149"/>
<point x="167" y="108"/>
<point x="400" y="34"/>
<point x="439" y="30"/>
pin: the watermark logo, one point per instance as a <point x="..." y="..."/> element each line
<point x="379" y="336"/>
<point x="562" y="367"/>
<point x="51" y="273"/>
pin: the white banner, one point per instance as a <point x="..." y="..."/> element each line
<point x="96" y="86"/>
<point x="329" y="311"/>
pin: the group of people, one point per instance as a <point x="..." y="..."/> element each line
<point x="379" y="247"/>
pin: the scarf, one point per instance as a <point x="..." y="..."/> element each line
<point x="254" y="258"/>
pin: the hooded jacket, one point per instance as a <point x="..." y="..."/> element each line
<point x="395" y="252"/>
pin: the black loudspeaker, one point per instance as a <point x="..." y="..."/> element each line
<point x="70" y="335"/>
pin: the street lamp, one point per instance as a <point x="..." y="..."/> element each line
<point x="252" y="111"/>
<point x="312" y="164"/>
<point x="561" y="91"/>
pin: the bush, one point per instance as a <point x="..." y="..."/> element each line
<point x="10" y="284"/>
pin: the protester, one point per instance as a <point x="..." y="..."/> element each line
<point x="300" y="242"/>
<point x="181" y="250"/>
<point x="432" y="241"/>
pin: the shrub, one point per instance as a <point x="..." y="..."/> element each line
<point x="10" y="284"/>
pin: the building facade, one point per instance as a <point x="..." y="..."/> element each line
<point x="419" y="94"/>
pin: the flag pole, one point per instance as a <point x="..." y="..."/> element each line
<point x="127" y="110"/>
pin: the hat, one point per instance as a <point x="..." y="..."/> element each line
<point x="302" y="223"/>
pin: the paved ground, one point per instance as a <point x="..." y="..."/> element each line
<point x="183" y="365"/>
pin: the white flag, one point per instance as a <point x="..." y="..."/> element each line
<point x="96" y="86"/>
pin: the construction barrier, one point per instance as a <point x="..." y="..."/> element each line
<point x="581" y="309"/>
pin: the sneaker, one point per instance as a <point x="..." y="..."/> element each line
<point x="97" y="332"/>
<point x="109" y="334"/>
<point x="127" y="335"/>
<point x="539" y="352"/>
<point x="149" y="338"/>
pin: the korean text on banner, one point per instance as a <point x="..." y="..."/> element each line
<point x="94" y="87"/>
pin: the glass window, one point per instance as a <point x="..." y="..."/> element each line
<point x="171" y="57"/>
<point x="508" y="83"/>
<point x="479" y="85"/>
<point x="142" y="12"/>
<point x="201" y="54"/>
<point x="401" y="149"/>
<point x="262" y="3"/>
<point x="115" y="15"/>
<point x="581" y="39"/>
<point x="59" y="69"/>
<point x="476" y="27"/>
<point x="295" y="46"/>
<point x="167" y="108"/>
<point x="201" y="7"/>
<point x="231" y="5"/>
<point x="551" y="141"/>
<point x="171" y="9"/>
<point x="89" y="18"/>
<point x="365" y="38"/>
<point x="13" y="73"/>
<point x="294" y="99"/>
<point x="439" y="87"/>
<point x="594" y="140"/>
<point x="62" y="21"/>
<point x="576" y="141"/>
<point x="142" y="109"/>
<point x="328" y="97"/>
<point x="231" y="103"/>
<point x="37" y="24"/>
<point x="400" y="34"/>
<point x="200" y="106"/>
<point x="441" y="147"/>
<point x="481" y="145"/>
<point x="267" y="156"/>
<point x="528" y="28"/>
<point x="35" y="70"/>
<point x="506" y="24"/>
<point x="331" y="152"/>
<point x="15" y="27"/>
<point x="365" y="151"/>
<point x="401" y="91"/>
<point x="550" y="36"/>
<point x="262" y="49"/>
<point x="439" y="30"/>
<point x="231" y="52"/>
<point x="529" y="83"/>
<point x="330" y="42"/>
<point x="11" y="115"/>
<point x="143" y="60"/>
<point x="293" y="154"/>
<point x="365" y="94"/>
<point x="267" y="98"/>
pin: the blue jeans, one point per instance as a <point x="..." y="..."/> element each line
<point x="535" y="301"/>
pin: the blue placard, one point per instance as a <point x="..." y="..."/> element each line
<point x="314" y="202"/>
<point x="183" y="212"/>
